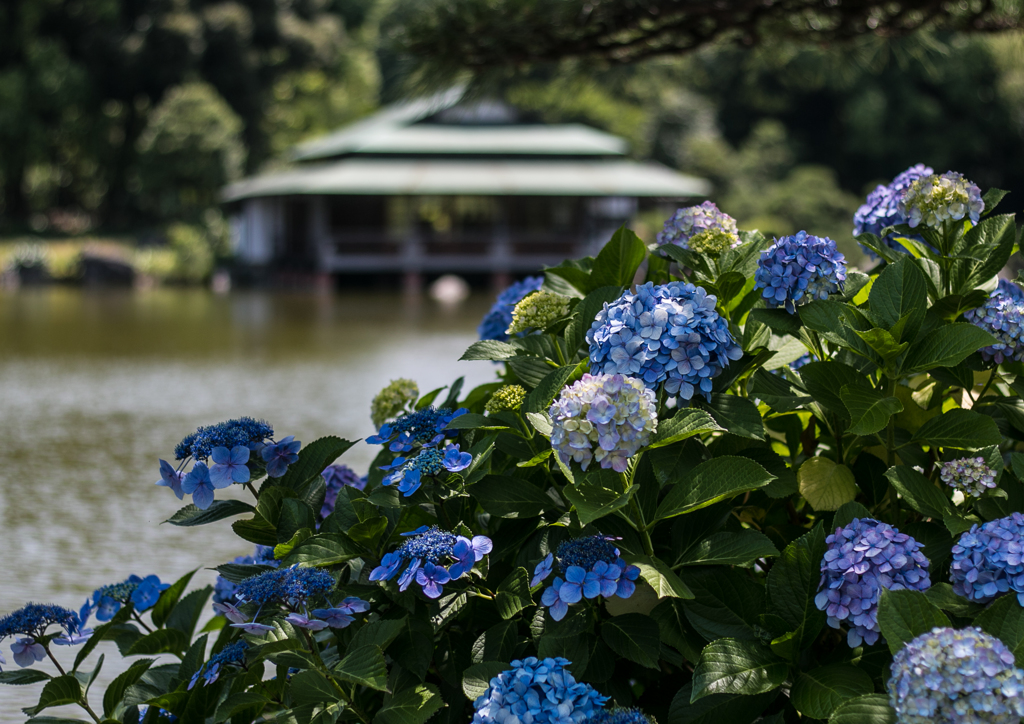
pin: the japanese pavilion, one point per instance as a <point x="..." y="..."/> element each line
<point x="441" y="185"/>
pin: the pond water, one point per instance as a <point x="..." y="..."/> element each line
<point x="95" y="387"/>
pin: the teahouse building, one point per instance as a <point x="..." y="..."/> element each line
<point x="440" y="185"/>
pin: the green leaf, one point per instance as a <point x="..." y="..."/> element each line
<point x="256" y="530"/>
<point x="738" y="415"/>
<point x="618" y="260"/>
<point x="869" y="409"/>
<point x="185" y="614"/>
<point x="540" y="399"/>
<point x="778" y="320"/>
<point x="57" y="692"/>
<point x="116" y="691"/>
<point x="825" y="382"/>
<point x="958" y="428"/>
<point x="161" y="641"/>
<point x="920" y="492"/>
<point x="513" y="594"/>
<point x="883" y="343"/>
<point x="867" y="709"/>
<point x="312" y="687"/>
<point x="819" y="692"/>
<point x="247" y="702"/>
<point x="536" y="459"/>
<point x="19" y="677"/>
<point x="726" y="602"/>
<point x="219" y="510"/>
<point x="900" y="289"/>
<point x="540" y="422"/>
<point x="327" y="549"/>
<point x="826" y="485"/>
<point x="1004" y="619"/>
<point x="312" y="460"/>
<point x="530" y="370"/>
<point x="410" y="706"/>
<point x="574" y="271"/>
<point x="946" y="346"/>
<point x="596" y="495"/>
<point x="660" y="576"/>
<point x="585" y="313"/>
<point x="489" y="350"/>
<point x="684" y="424"/>
<point x="508" y="497"/>
<point x="942" y="595"/>
<point x="476" y="680"/>
<point x="717" y="708"/>
<point x="169" y="598"/>
<point x="634" y="637"/>
<point x="730" y="549"/>
<point x="728" y="666"/>
<point x="364" y="665"/>
<point x="717" y="479"/>
<point x="472" y="421"/>
<point x="904" y="615"/>
<point x="793" y="583"/>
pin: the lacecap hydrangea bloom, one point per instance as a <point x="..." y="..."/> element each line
<point x="432" y="558"/>
<point x="862" y="559"/>
<point x="537" y="311"/>
<point x="956" y="676"/>
<point x="421" y="431"/>
<point x="424" y="427"/>
<point x="882" y="207"/>
<point x="507" y="397"/>
<point x="935" y="199"/>
<point x="592" y="567"/>
<point x="497" y="320"/>
<point x="703" y="229"/>
<point x="607" y="418"/>
<point x="224" y="590"/>
<point x="143" y="593"/>
<point x="407" y="473"/>
<point x="798" y="269"/>
<point x="337" y="477"/>
<point x="231" y="655"/>
<point x="668" y="334"/>
<point x="537" y="691"/>
<point x="970" y="476"/>
<point x="1002" y="316"/>
<point x="294" y="587"/>
<point x="30" y="623"/>
<point x="988" y="560"/>
<point x="393" y="400"/>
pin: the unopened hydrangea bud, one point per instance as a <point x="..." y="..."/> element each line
<point x="988" y="560"/>
<point x="607" y="418"/>
<point x="956" y="677"/>
<point x="971" y="476"/>
<point x="537" y="311"/>
<point x="1002" y="316"/>
<point x="933" y="200"/>
<point x="685" y="225"/>
<point x="393" y="401"/>
<point x="509" y="397"/>
<point x="713" y="242"/>
<point x="798" y="269"/>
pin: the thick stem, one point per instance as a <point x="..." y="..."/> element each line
<point x="135" y="615"/>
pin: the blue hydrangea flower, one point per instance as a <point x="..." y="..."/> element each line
<point x="1002" y="316"/>
<point x="242" y="431"/>
<point x="862" y="559"/>
<point x="408" y="474"/>
<point x="433" y="547"/>
<point x="988" y="560"/>
<point x="667" y="334"/>
<point x="171" y="478"/>
<point x="607" y="418"/>
<point x="161" y="715"/>
<point x="619" y="716"/>
<point x="229" y="466"/>
<point x="32" y="620"/>
<point x="592" y="567"/>
<point x="200" y="486"/>
<point x="342" y="615"/>
<point x="107" y="600"/>
<point x="337" y="477"/>
<point x="957" y="677"/>
<point x="280" y="455"/>
<point x="800" y="361"/>
<point x="293" y="587"/>
<point x="224" y="590"/>
<point x="498" y="319"/>
<point x="933" y="200"/>
<point x="971" y="476"/>
<point x="882" y="207"/>
<point x="685" y="224"/>
<point x="1009" y="289"/>
<point x="798" y="269"/>
<point x="537" y="692"/>
<point x="231" y="655"/>
<point x="423" y="427"/>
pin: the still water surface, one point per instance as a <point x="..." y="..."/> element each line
<point x="96" y="386"/>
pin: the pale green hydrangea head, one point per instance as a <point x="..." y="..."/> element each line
<point x="393" y="401"/>
<point x="933" y="200"/>
<point x="537" y="311"/>
<point x="713" y="241"/>
<point x="509" y="397"/>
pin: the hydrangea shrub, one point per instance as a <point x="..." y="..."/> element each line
<point x="721" y="476"/>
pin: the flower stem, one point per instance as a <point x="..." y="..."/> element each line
<point x="83" y="702"/>
<point x="323" y="668"/>
<point x="135" y="615"/>
<point x="253" y="491"/>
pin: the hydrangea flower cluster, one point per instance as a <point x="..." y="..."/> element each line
<point x="407" y="473"/>
<point x="231" y="655"/>
<point x="970" y="476"/>
<point x="293" y="587"/>
<point x="935" y="199"/>
<point x="1002" y="316"/>
<point x="862" y="559"/>
<point x="497" y="320"/>
<point x="988" y="560"/>
<point x="798" y="269"/>
<point x="703" y="228"/>
<point x="619" y="715"/>
<point x="602" y="417"/>
<point x="882" y="207"/>
<point x="224" y="590"/>
<point x="667" y="334"/>
<point x="960" y="676"/>
<point x="537" y="311"/>
<point x="107" y="600"/>
<point x="1009" y="289"/>
<point x="508" y="397"/>
<point x="393" y="400"/>
<point x="30" y="622"/>
<point x="423" y="429"/>
<point x="424" y="556"/>
<point x="244" y="431"/>
<point x="592" y="567"/>
<point x="337" y="477"/>
<point x="537" y="692"/>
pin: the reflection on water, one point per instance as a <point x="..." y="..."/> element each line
<point x="96" y="386"/>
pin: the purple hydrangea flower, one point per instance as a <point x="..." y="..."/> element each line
<point x="862" y="559"/>
<point x="171" y="478"/>
<point x="971" y="476"/>
<point x="933" y="200"/>
<point x="341" y="615"/>
<point x="337" y="477"/>
<point x="798" y="269"/>
<point x="543" y="570"/>
<point x="300" y="621"/>
<point x="537" y="692"/>
<point x="280" y="455"/>
<point x="497" y="320"/>
<point x="26" y="652"/>
<point x="698" y="221"/>
<point x="229" y="466"/>
<point x="881" y="209"/>
<point x="1002" y="316"/>
<point x="431" y="579"/>
<point x="468" y="553"/>
<point x="988" y="560"/>
<point x="668" y="334"/>
<point x="957" y="677"/>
